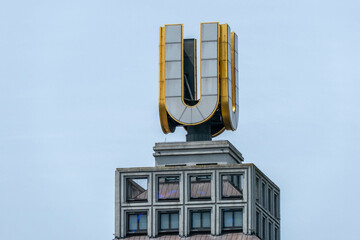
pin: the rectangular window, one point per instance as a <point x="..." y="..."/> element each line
<point x="201" y="220"/>
<point x="263" y="191"/>
<point x="232" y="186"/>
<point x="270" y="231"/>
<point x="200" y="187"/>
<point x="277" y="236"/>
<point x="137" y="223"/>
<point x="269" y="200"/>
<point x="168" y="188"/>
<point x="136" y="189"/>
<point x="263" y="228"/>
<point x="232" y="219"/>
<point x="258" y="224"/>
<point x="169" y="221"/>
<point x="276" y="205"/>
<point x="257" y="189"/>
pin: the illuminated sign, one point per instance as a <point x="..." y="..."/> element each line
<point x="218" y="104"/>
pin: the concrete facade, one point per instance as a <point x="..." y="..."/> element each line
<point x="259" y="202"/>
<point x="196" y="153"/>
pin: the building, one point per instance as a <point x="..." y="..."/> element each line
<point x="196" y="189"/>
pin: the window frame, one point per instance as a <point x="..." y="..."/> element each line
<point x="138" y="231"/>
<point x="257" y="189"/>
<point x="233" y="228"/>
<point x="158" y="188"/>
<point x="258" y="223"/>
<point x="127" y="191"/>
<point x="242" y="177"/>
<point x="169" y="230"/>
<point x="201" y="228"/>
<point x="210" y="179"/>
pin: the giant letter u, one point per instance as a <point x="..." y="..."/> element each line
<point x="218" y="77"/>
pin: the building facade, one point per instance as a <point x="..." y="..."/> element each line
<point x="196" y="188"/>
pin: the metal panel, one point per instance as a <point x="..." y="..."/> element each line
<point x="209" y="32"/>
<point x="206" y="106"/>
<point x="172" y="88"/>
<point x="186" y="117"/>
<point x="209" y="68"/>
<point x="172" y="70"/>
<point x="175" y="106"/>
<point x="209" y="50"/>
<point x="173" y="33"/>
<point x="173" y="52"/>
<point x="209" y="86"/>
<point x="196" y="115"/>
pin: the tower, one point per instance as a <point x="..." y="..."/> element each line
<point x="199" y="188"/>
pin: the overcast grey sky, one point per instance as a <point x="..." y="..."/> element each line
<point x="79" y="92"/>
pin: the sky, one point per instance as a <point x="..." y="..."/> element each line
<point x="79" y="98"/>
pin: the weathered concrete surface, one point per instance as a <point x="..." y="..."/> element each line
<point x="193" y="153"/>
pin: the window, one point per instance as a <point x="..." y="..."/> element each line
<point x="258" y="224"/>
<point x="257" y="189"/>
<point x="232" y="219"/>
<point x="277" y="236"/>
<point x="263" y="228"/>
<point x="169" y="221"/>
<point x="137" y="223"/>
<point x="263" y="190"/>
<point x="269" y="200"/>
<point x="168" y="188"/>
<point x="276" y="205"/>
<point x="270" y="231"/>
<point x="200" y="220"/>
<point x="232" y="186"/>
<point x="200" y="187"/>
<point x="136" y="189"/>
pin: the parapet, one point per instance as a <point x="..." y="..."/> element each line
<point x="196" y="153"/>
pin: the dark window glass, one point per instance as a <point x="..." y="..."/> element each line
<point x="136" y="189"/>
<point x="276" y="206"/>
<point x="200" y="187"/>
<point x="201" y="220"/>
<point x="258" y="224"/>
<point x="232" y="186"/>
<point x="269" y="200"/>
<point x="257" y="189"/>
<point x="137" y="223"/>
<point x="168" y="188"/>
<point x="232" y="219"/>
<point x="263" y="228"/>
<point x="277" y="234"/>
<point x="263" y="191"/>
<point x="270" y="231"/>
<point x="169" y="221"/>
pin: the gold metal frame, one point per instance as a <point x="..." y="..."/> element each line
<point x="162" y="105"/>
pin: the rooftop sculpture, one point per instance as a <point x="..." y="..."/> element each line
<point x="217" y="109"/>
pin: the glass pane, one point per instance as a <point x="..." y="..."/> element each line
<point x="228" y="219"/>
<point x="200" y="186"/>
<point x="137" y="189"/>
<point x="142" y="221"/>
<point x="270" y="231"/>
<point x="232" y="186"/>
<point x="238" y="218"/>
<point x="164" y="221"/>
<point x="132" y="223"/>
<point x="206" y="219"/>
<point x="168" y="188"/>
<point x="195" y="223"/>
<point x="174" y="221"/>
